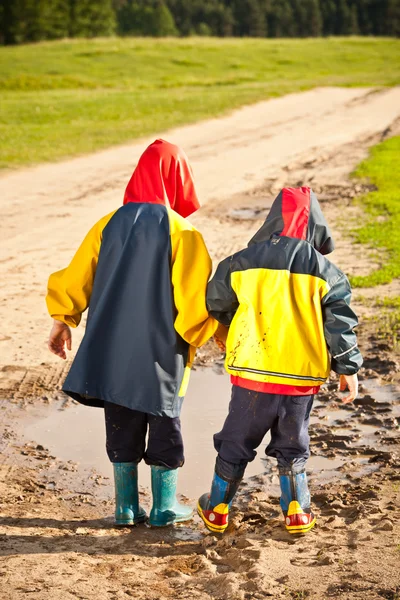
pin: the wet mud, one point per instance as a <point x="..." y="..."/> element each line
<point x="346" y="441"/>
<point x="58" y="503"/>
<point x="58" y="540"/>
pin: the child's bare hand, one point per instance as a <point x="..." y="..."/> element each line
<point x="220" y="337"/>
<point x="60" y="336"/>
<point x="350" y="382"/>
<point x="220" y="343"/>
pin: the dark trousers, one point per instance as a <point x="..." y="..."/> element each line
<point x="251" y="416"/>
<point x="126" y="432"/>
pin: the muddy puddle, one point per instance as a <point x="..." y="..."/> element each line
<point x="249" y="213"/>
<point x="77" y="433"/>
<point x="344" y="439"/>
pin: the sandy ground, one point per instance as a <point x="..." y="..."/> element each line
<point x="46" y="211"/>
<point x="54" y="541"/>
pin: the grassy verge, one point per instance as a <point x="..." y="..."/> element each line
<point x="385" y="319"/>
<point x="388" y="322"/>
<point x="382" y="232"/>
<point x="65" y="98"/>
<point x="382" y="211"/>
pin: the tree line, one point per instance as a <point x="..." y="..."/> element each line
<point x="34" y="20"/>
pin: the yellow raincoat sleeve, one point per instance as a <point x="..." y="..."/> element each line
<point x="69" y="290"/>
<point x="191" y="269"/>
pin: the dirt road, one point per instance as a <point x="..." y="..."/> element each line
<point x="46" y="211"/>
<point x="240" y="162"/>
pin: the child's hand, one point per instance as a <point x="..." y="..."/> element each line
<point x="221" y="344"/>
<point x="220" y="337"/>
<point x="350" y="382"/>
<point x="60" y="336"/>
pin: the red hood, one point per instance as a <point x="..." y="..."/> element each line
<point x="163" y="176"/>
<point x="296" y="213"/>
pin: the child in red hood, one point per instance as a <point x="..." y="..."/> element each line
<point x="142" y="270"/>
<point x="287" y="309"/>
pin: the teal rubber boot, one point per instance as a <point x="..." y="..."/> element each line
<point x="166" y="509"/>
<point x="127" y="508"/>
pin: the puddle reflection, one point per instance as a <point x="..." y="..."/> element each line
<point x="78" y="434"/>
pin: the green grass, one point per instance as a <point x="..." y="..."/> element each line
<point x="61" y="99"/>
<point x="386" y="319"/>
<point x="388" y="326"/>
<point x="389" y="302"/>
<point x="382" y="211"/>
<point x="382" y="231"/>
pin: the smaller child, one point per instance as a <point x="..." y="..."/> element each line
<point x="287" y="309"/>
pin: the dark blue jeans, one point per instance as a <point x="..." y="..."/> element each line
<point x="126" y="432"/>
<point x="251" y="416"/>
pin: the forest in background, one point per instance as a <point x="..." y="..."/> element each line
<point x="23" y="21"/>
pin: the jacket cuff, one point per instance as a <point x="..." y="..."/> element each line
<point x="347" y="363"/>
<point x="72" y="321"/>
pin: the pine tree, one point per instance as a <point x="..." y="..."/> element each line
<point x="226" y="22"/>
<point x="129" y="17"/>
<point x="162" y="22"/>
<point x="354" y="29"/>
<point x="217" y="16"/>
<point x="103" y="21"/>
<point x="376" y="13"/>
<point x="300" y="18"/>
<point x="183" y="11"/>
<point x="91" y="18"/>
<point x="308" y="17"/>
<point x="203" y="29"/>
<point x="343" y="18"/>
<point x="56" y="17"/>
<point x="249" y="18"/>
<point x="256" y="19"/>
<point x="392" y="18"/>
<point x="314" y="18"/>
<point x="385" y="16"/>
<point x="363" y="17"/>
<point x="35" y="20"/>
<point x="11" y="20"/>
<point x="328" y="12"/>
<point x="281" y="21"/>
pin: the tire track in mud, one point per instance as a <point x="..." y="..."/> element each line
<point x="22" y="385"/>
<point x="19" y="388"/>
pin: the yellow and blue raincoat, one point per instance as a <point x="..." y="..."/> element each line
<point x="286" y="305"/>
<point x="142" y="271"/>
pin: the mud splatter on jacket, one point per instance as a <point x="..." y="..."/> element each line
<point x="286" y="305"/>
<point x="143" y="271"/>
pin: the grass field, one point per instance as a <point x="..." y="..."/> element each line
<point x="382" y="231"/>
<point x="382" y="210"/>
<point x="64" y="98"/>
